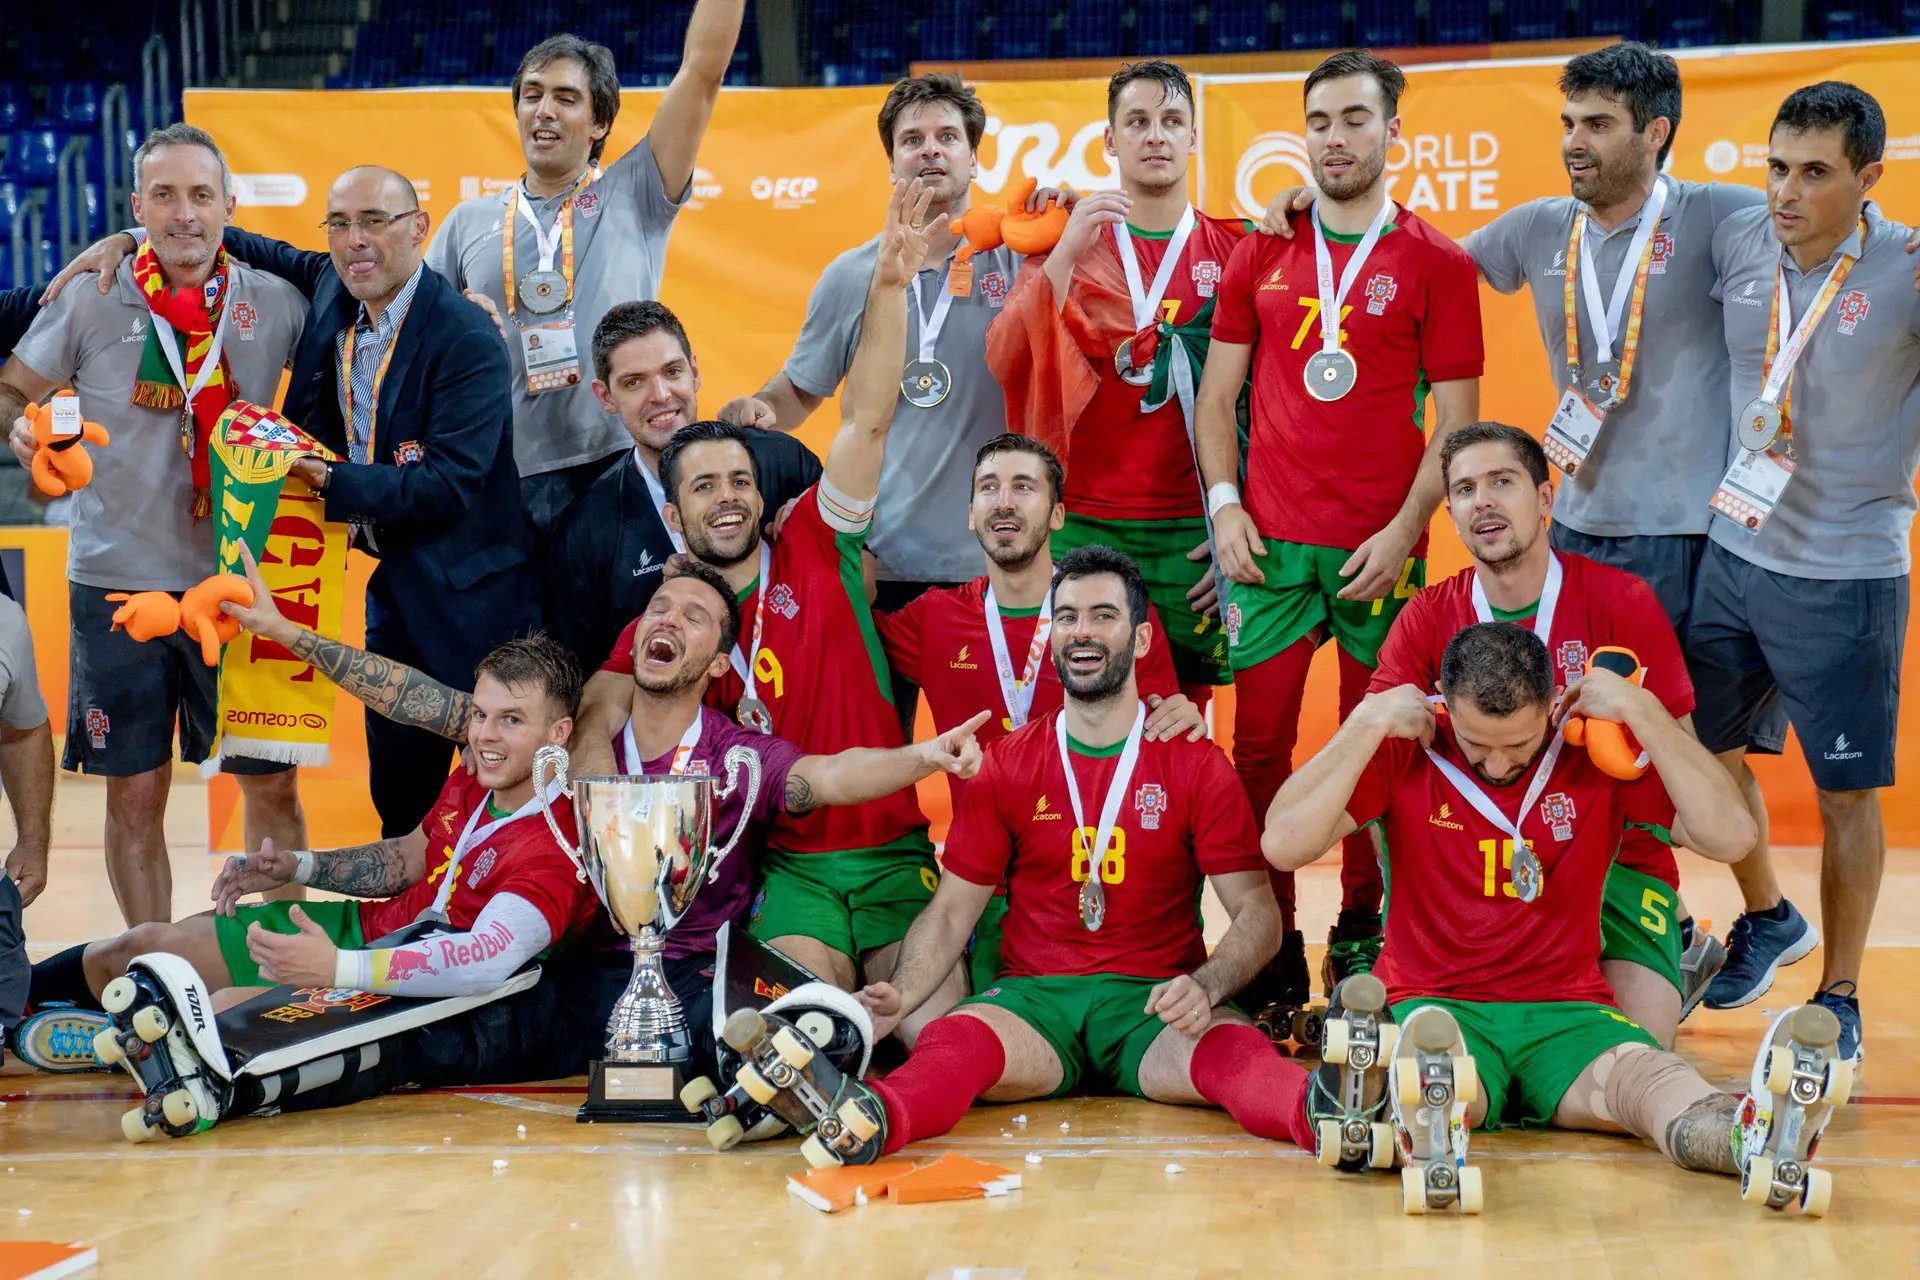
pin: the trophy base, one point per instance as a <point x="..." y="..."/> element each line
<point x="634" y="1093"/>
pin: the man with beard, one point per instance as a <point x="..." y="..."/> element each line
<point x="1346" y="328"/>
<point x="606" y="557"/>
<point x="1100" y="346"/>
<point x="1500" y="495"/>
<point x="1108" y="982"/>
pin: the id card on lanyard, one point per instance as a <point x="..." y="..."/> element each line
<point x="548" y="347"/>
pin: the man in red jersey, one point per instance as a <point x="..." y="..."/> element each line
<point x="1500" y="493"/>
<point x="839" y="886"/>
<point x="1346" y="328"/>
<point x="1105" y="841"/>
<point x="1498" y="840"/>
<point x="1099" y="347"/>
<point x="994" y="630"/>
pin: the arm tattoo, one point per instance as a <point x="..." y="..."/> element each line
<point x="1701" y="1137"/>
<point x="799" y="797"/>
<point x="364" y="871"/>
<point x="395" y="690"/>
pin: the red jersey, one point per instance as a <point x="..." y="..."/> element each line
<point x="1598" y="605"/>
<point x="1126" y="464"/>
<point x="1455" y="929"/>
<point x="1185" y="818"/>
<point x="1332" y="474"/>
<point x="521" y="858"/>
<point x="951" y="623"/>
<point x="821" y="671"/>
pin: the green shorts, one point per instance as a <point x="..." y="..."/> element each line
<point x="1097" y="1024"/>
<point x="1529" y="1055"/>
<point x="1300" y="594"/>
<point x="1637" y="922"/>
<point x="854" y="901"/>
<point x="983" y="953"/>
<point x="341" y="920"/>
<point x="1160" y="548"/>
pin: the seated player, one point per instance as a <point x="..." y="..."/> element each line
<point x="1107" y="980"/>
<point x="1499" y="837"/>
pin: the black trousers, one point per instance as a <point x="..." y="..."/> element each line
<point x="406" y="766"/>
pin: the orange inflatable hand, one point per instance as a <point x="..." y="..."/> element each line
<point x="145" y="615"/>
<point x="201" y="618"/>
<point x="981" y="226"/>
<point x="1611" y="747"/>
<point x="1030" y="233"/>
<point x="59" y="465"/>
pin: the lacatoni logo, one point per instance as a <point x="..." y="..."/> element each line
<point x="279" y="190"/>
<point x="1843" y="750"/>
<point x="786" y="193"/>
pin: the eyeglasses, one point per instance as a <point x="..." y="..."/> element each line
<point x="371" y="223"/>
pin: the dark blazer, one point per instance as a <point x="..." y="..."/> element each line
<point x="442" y="492"/>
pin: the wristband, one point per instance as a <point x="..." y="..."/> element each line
<point x="303" y="866"/>
<point x="1224" y="494"/>
<point x="346" y="970"/>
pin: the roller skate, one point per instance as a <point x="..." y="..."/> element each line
<point x="843" y="1121"/>
<point x="1347" y="1094"/>
<point x="1353" y="946"/>
<point x="59" y="1038"/>
<point x="1282" y="993"/>
<point x="1798" y="1079"/>
<point x="1432" y="1082"/>
<point x="832" y="1021"/>
<point x="162" y="1033"/>
<point x="1702" y="957"/>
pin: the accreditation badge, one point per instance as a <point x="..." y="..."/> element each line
<point x="1751" y="489"/>
<point x="552" y="356"/>
<point x="1572" y="432"/>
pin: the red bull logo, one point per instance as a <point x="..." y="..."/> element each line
<point x="406" y="963"/>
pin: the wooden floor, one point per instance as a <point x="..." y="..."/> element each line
<point x="504" y="1183"/>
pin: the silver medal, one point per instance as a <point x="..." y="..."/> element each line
<point x="1330" y="374"/>
<point x="543" y="291"/>
<point x="1758" y="426"/>
<point x="925" y="383"/>
<point x="1093" y="905"/>
<point x="1603" y="384"/>
<point x="755" y="715"/>
<point x="1131" y="374"/>
<point x="1526" y="873"/>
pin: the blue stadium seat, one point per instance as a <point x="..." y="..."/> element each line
<point x="1237" y="26"/>
<point x="6" y="263"/>
<point x="1311" y="24"/>
<point x="9" y="205"/>
<point x="13" y="104"/>
<point x="1092" y="30"/>
<point x="1621" y="18"/>
<point x="1536" y="20"/>
<point x="1386" y="24"/>
<point x="1459" y="22"/>
<point x="1022" y="29"/>
<point x="1856" y="22"/>
<point x="949" y="31"/>
<point x="1163" y="29"/>
<point x="33" y="156"/>
<point x="75" y="104"/>
<point x="1684" y="23"/>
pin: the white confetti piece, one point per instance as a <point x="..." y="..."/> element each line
<point x="1021" y="1118"/>
<point x="26" y="1213"/>
<point x="1176" y="1168"/>
<point x="520" y="1129"/>
<point x="499" y="1165"/>
<point x="1064" y="1126"/>
<point x="1033" y="1157"/>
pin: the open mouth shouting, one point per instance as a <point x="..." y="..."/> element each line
<point x="660" y="650"/>
<point x="1085" y="657"/>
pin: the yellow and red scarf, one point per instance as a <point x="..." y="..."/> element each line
<point x="194" y="314"/>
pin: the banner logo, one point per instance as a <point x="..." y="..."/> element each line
<point x="1287" y="150"/>
<point x="1036" y="148"/>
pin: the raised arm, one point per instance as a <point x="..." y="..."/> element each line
<point x="677" y="128"/>
<point x="1310" y="812"/>
<point x="860" y="774"/>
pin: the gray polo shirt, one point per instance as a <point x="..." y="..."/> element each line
<point x="1856" y="402"/>
<point x="919" y="526"/>
<point x="132" y="528"/>
<point x="620" y="226"/>
<point x="21" y="706"/>
<point x="1660" y="456"/>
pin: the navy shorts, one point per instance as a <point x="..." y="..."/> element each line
<point x="1669" y="563"/>
<point x="1828" y="651"/>
<point x="126" y="699"/>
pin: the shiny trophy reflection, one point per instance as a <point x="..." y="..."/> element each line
<point x="646" y="842"/>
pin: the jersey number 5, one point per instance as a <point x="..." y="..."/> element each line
<point x="1113" y="867"/>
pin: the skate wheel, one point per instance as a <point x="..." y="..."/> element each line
<point x="793" y="1050"/>
<point x="725" y="1133"/>
<point x="750" y="1079"/>
<point x="134" y="1126"/>
<point x="1306" y="1027"/>
<point x="1389" y="1036"/>
<point x="1472" y="1190"/>
<point x="1466" y="1080"/>
<point x="1383" y="1149"/>
<point x="1335" y="1035"/>
<point x="1779" y="1070"/>
<point x="1839" y="1083"/>
<point x="817" y="1154"/>
<point x="858" y="1122"/>
<point x="743" y="1029"/>
<point x="106" y="1047"/>
<point x="697" y="1091"/>
<point x="119" y="995"/>
<point x="1407" y="1081"/>
<point x="151" y="1023"/>
<point x="817" y="1027"/>
<point x="1329" y="1134"/>
<point x="180" y="1108"/>
<point x="1757" y="1183"/>
<point x="1413" y="1190"/>
<point x="1816" y="1193"/>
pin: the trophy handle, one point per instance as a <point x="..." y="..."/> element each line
<point x="737" y="760"/>
<point x="555" y="758"/>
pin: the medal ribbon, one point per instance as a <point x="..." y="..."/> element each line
<point x="1780" y="360"/>
<point x="930" y="325"/>
<point x="1604" y="320"/>
<point x="743" y="667"/>
<point x="1484" y="805"/>
<point x="1116" y="789"/>
<point x="1330" y="301"/>
<point x="1146" y="303"/>
<point x="517" y="203"/>
<point x="658" y="493"/>
<point x="1018" y="694"/>
<point x="688" y="741"/>
<point x="472" y="836"/>
<point x="346" y="388"/>
<point x="1543" y="615"/>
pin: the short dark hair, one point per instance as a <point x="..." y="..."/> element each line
<point x="537" y="660"/>
<point x="1498" y="667"/>
<point x="603" y="79"/>
<point x="1640" y="78"/>
<point x="1524" y="447"/>
<point x="1361" y="62"/>
<point x="699" y="433"/>
<point x="688" y="567"/>
<point x="1172" y="80"/>
<point x="1014" y="442"/>
<point x="626" y="321"/>
<point x="1835" y="104"/>
<point x="934" y="87"/>
<point x="1093" y="560"/>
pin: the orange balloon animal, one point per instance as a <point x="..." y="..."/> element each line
<point x="1612" y="748"/>
<point x="146" y="615"/>
<point x="59" y="464"/>
<point x="151" y="615"/>
<point x="989" y="226"/>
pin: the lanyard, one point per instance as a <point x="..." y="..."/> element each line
<point x="1146" y="303"/>
<point x="688" y="741"/>
<point x="1526" y="866"/>
<point x="474" y="834"/>
<point x="931" y="325"/>
<point x="1780" y="360"/>
<point x="1116" y="789"/>
<point x="379" y="377"/>
<point x="742" y="666"/>
<point x="1018" y="693"/>
<point x="561" y="241"/>
<point x="658" y="493"/>
<point x="1604" y="318"/>
<point x="170" y="348"/>
<point x="1543" y="615"/>
<point x="1331" y="302"/>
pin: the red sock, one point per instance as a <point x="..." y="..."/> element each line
<point x="955" y="1060"/>
<point x="1237" y="1068"/>
<point x="1361" y="883"/>
<point x="1266" y="725"/>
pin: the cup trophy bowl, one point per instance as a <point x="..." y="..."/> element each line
<point x="646" y="843"/>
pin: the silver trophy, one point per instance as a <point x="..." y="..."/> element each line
<point x="646" y="843"/>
